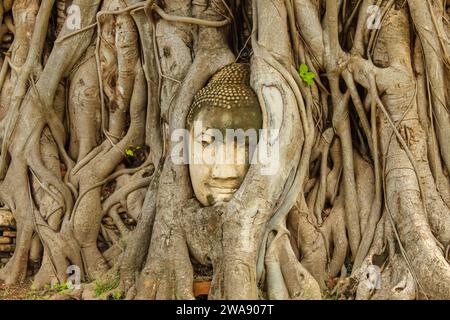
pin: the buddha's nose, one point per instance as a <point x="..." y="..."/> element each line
<point x="224" y="171"/>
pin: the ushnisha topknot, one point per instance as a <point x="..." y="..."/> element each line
<point x="229" y="88"/>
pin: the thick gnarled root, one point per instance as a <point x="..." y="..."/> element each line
<point x="286" y="277"/>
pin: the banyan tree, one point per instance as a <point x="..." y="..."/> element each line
<point x="339" y="109"/>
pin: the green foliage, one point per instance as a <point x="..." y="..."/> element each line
<point x="102" y="287"/>
<point x="306" y="75"/>
<point x="130" y="151"/>
<point x="117" y="295"/>
<point x="62" y="287"/>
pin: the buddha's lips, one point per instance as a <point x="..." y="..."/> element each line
<point x="223" y="189"/>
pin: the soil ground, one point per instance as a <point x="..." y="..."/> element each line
<point x="24" y="291"/>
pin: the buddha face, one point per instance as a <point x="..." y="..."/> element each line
<point x="215" y="179"/>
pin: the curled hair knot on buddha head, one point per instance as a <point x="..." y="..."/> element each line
<point x="229" y="89"/>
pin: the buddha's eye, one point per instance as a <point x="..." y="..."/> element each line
<point x="206" y="140"/>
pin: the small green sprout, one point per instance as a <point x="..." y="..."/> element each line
<point x="130" y="151"/>
<point x="117" y="295"/>
<point x="306" y="75"/>
<point x="62" y="287"/>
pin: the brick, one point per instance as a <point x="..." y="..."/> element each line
<point x="201" y="288"/>
<point x="10" y="234"/>
<point x="5" y="240"/>
<point x="7" y="247"/>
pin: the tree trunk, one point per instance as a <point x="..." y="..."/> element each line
<point x="358" y="206"/>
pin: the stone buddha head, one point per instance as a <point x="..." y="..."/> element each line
<point x="223" y="112"/>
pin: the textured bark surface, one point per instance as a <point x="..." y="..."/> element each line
<point x="87" y="177"/>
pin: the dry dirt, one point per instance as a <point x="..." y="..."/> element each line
<point x="23" y="291"/>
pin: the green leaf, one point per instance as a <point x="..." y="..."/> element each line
<point x="306" y="75"/>
<point x="117" y="295"/>
<point x="129" y="152"/>
<point x="303" y="69"/>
